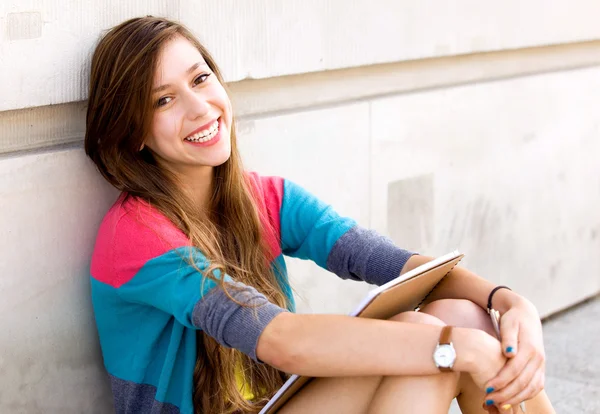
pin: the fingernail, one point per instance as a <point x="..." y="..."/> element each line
<point x="490" y="402"/>
<point x="506" y="406"/>
<point x="509" y="349"/>
<point x="489" y="389"/>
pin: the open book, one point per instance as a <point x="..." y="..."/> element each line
<point x="405" y="293"/>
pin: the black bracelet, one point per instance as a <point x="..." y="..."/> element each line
<point x="489" y="305"/>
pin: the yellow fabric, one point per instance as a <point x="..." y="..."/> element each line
<point x="242" y="385"/>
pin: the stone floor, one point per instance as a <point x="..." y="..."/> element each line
<point x="572" y="342"/>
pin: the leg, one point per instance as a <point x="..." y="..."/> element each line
<point x="351" y="395"/>
<point x="462" y="313"/>
<point x="426" y="394"/>
<point x="359" y="395"/>
<point x="466" y="314"/>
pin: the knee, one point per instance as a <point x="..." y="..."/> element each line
<point x="460" y="312"/>
<point x="459" y="307"/>
<point x="417" y="317"/>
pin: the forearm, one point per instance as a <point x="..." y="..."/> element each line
<point x="464" y="284"/>
<point x="337" y="345"/>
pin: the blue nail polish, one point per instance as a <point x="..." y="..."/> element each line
<point x="489" y="402"/>
<point x="489" y="389"/>
<point x="509" y="349"/>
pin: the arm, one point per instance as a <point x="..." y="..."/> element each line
<point x="174" y="286"/>
<point x="464" y="284"/>
<point x="322" y="345"/>
<point x="311" y="229"/>
<point x="294" y="343"/>
<point x="289" y="342"/>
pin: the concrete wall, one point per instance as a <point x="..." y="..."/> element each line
<point x="50" y="41"/>
<point x="465" y="125"/>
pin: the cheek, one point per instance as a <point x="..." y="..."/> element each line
<point x="221" y="98"/>
<point x="164" y="128"/>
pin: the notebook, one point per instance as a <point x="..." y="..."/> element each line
<point x="406" y="292"/>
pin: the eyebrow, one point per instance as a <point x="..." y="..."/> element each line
<point x="190" y="70"/>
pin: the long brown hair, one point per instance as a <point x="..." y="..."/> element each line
<point x="119" y="117"/>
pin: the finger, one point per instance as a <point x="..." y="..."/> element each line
<point x="495" y="410"/>
<point x="492" y="409"/>
<point x="507" y="394"/>
<point x="509" y="334"/>
<point x="531" y="391"/>
<point x="511" y="370"/>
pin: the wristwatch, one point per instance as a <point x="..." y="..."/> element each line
<point x="444" y="355"/>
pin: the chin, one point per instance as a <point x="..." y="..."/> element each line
<point x="219" y="159"/>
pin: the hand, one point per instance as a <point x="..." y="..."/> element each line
<point x="489" y="362"/>
<point x="488" y="357"/>
<point x="523" y="375"/>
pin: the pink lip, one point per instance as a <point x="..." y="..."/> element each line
<point x="203" y="127"/>
<point x="213" y="141"/>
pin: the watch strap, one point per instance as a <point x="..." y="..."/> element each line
<point x="445" y="335"/>
<point x="445" y="340"/>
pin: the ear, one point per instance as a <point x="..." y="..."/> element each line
<point x="142" y="146"/>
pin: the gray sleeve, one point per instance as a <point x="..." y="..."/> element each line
<point x="233" y="325"/>
<point x="362" y="254"/>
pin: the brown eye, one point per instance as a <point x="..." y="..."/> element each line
<point x="163" y="101"/>
<point x="201" y="78"/>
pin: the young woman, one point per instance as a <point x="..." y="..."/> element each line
<point x="189" y="286"/>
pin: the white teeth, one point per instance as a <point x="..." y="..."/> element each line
<point x="205" y="135"/>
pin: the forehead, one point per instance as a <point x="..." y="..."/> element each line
<point x="175" y="58"/>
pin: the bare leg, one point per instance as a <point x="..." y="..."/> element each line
<point x="351" y="395"/>
<point x="539" y="405"/>
<point x="462" y="313"/>
<point x="427" y="394"/>
<point x="377" y="395"/>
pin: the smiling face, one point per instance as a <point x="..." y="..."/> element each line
<point x="191" y="123"/>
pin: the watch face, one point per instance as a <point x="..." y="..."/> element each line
<point x="444" y="356"/>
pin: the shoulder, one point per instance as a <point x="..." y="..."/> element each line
<point x="280" y="196"/>
<point x="132" y="233"/>
<point x="269" y="188"/>
<point x="267" y="192"/>
<point x="275" y="191"/>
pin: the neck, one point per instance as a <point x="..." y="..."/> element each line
<point x="197" y="184"/>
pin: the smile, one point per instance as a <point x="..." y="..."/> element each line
<point x="206" y="134"/>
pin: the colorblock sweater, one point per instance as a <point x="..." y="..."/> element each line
<point x="149" y="301"/>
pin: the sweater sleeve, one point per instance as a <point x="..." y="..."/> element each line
<point x="311" y="229"/>
<point x="149" y="274"/>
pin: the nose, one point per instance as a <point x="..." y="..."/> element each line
<point x="196" y="105"/>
